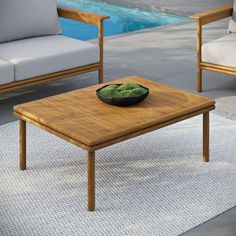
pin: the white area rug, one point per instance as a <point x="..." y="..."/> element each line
<point x="155" y="184"/>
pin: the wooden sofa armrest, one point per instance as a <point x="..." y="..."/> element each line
<point x="82" y="16"/>
<point x="213" y="14"/>
<point x="90" y="18"/>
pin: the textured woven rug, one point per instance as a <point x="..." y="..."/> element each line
<point x="155" y="184"/>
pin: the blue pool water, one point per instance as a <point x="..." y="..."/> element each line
<point x="123" y="19"/>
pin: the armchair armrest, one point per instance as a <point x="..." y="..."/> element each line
<point x="82" y="16"/>
<point x="204" y="18"/>
<point x="214" y="14"/>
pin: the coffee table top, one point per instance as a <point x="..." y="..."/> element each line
<point x="80" y="115"/>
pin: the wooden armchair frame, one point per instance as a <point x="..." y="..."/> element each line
<point x="77" y="15"/>
<point x="203" y="19"/>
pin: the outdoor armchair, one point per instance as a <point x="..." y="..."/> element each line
<point x="32" y="49"/>
<point x="218" y="55"/>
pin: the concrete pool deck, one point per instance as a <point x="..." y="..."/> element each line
<point x="166" y="54"/>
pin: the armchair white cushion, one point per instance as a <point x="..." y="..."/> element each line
<point x="6" y="72"/>
<point x="221" y="51"/>
<point x="44" y="55"/>
<point x="27" y="18"/>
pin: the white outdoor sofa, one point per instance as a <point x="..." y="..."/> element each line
<point x="32" y="49"/>
<point x="218" y="55"/>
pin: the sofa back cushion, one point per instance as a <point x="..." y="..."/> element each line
<point x="232" y="23"/>
<point x="28" y="18"/>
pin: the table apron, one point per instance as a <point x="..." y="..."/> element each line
<point x="115" y="140"/>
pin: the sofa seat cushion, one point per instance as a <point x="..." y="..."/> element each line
<point x="27" y="18"/>
<point x="221" y="51"/>
<point x="6" y="72"/>
<point x="44" y="55"/>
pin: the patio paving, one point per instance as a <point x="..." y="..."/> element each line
<point x="166" y="54"/>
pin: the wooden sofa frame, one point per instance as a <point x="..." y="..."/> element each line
<point x="203" y="19"/>
<point x="77" y="15"/>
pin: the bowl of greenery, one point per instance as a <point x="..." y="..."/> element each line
<point x="122" y="94"/>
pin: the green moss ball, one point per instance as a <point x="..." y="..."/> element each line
<point x="124" y="93"/>
<point x="112" y="86"/>
<point x="127" y="86"/>
<point x="108" y="91"/>
<point x="138" y="92"/>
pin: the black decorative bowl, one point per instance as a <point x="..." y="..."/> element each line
<point x="123" y="102"/>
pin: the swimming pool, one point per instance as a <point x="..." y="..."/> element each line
<point x="123" y="19"/>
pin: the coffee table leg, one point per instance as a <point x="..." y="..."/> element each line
<point x="22" y="144"/>
<point x="91" y="181"/>
<point x="206" y="137"/>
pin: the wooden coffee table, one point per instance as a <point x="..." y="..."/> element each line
<point x="79" y="117"/>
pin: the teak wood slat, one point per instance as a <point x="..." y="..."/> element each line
<point x="206" y="139"/>
<point x="115" y="140"/>
<point x="78" y="15"/>
<point x="203" y="19"/>
<point x="91" y="181"/>
<point x="213" y="15"/>
<point x="82" y="16"/>
<point x="101" y="45"/>
<point x="199" y="56"/>
<point x="22" y="145"/>
<point x="218" y="68"/>
<point x="82" y="119"/>
<point x="52" y="131"/>
<point x="49" y="78"/>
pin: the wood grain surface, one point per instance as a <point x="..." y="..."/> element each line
<point x="213" y="15"/>
<point x="79" y="15"/>
<point x="81" y="116"/>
